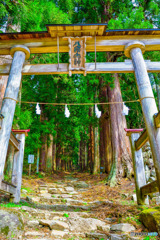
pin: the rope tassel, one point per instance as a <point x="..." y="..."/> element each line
<point x="97" y="112"/>
<point x="38" y="110"/>
<point x="125" y="110"/>
<point x="67" y="113"/>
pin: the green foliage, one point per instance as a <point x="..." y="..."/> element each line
<point x="29" y="190"/>
<point x="65" y="215"/>
<point x="12" y="205"/>
<point x="68" y="132"/>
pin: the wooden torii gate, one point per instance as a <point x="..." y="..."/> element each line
<point x="77" y="40"/>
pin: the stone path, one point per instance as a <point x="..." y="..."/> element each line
<point x="60" y="214"/>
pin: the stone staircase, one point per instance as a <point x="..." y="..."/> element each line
<point x="58" y="213"/>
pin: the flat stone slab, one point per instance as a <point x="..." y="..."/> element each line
<point x="60" y="234"/>
<point x="34" y="234"/>
<point x="39" y="238"/>
<point x="123" y="227"/>
<point x="46" y="195"/>
<point x="69" y="189"/>
<point x="35" y="199"/>
<point x="116" y="237"/>
<point x="84" y="225"/>
<point x="97" y="235"/>
<point x="54" y="224"/>
<point x="32" y="224"/>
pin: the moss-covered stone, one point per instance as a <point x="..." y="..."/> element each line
<point x="11" y="224"/>
<point x="151" y="219"/>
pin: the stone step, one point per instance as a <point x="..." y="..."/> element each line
<point x="73" y="195"/>
<point x="41" y="214"/>
<point x="60" y="200"/>
<point x="34" y="234"/>
<point x="58" y="234"/>
<point x="54" y="224"/>
<point x="39" y="238"/>
<point x="58" y="195"/>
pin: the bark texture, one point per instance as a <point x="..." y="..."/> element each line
<point x="96" y="166"/>
<point x="43" y="150"/>
<point x="121" y="152"/>
<point x="91" y="143"/>
<point x="49" y="163"/>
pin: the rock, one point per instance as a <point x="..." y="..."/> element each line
<point x="28" y="199"/>
<point x="125" y="195"/>
<point x="35" y="199"/>
<point x="81" y="184"/>
<point x="151" y="219"/>
<point x="32" y="224"/>
<point x="153" y="173"/>
<point x="56" y="233"/>
<point x="72" y="201"/>
<point x="38" y="239"/>
<point x="123" y="227"/>
<point x="61" y="190"/>
<point x="27" y="209"/>
<point x="78" y="214"/>
<point x="73" y="193"/>
<point x="147" y="147"/>
<point x="156" y="200"/>
<point x="54" y="224"/>
<point x="110" y="219"/>
<point x="97" y="235"/>
<point x="52" y="190"/>
<point x="147" y="173"/>
<point x="134" y="198"/>
<point x="149" y="162"/>
<point x="84" y="224"/>
<point x="43" y="191"/>
<point x="116" y="237"/>
<point x="24" y="191"/>
<point x="46" y="195"/>
<point x="155" y="194"/>
<point x="11" y="224"/>
<point x="105" y="228"/>
<point x="69" y="189"/>
<point x="151" y="179"/>
<point x="34" y="234"/>
<point x="82" y="190"/>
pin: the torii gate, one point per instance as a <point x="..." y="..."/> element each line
<point x="77" y="40"/>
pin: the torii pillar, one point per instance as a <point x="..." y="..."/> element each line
<point x="19" y="53"/>
<point x="135" y="50"/>
<point x="18" y="163"/>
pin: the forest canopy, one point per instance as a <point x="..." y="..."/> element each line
<point x="81" y="141"/>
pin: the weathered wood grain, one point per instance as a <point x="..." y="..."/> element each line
<point x="18" y="167"/>
<point x="139" y="172"/>
<point x="103" y="44"/>
<point x="8" y="188"/>
<point x="139" y="143"/>
<point x="115" y="67"/>
<point x="14" y="141"/>
<point x="149" y="107"/>
<point x="157" y="120"/>
<point x="149" y="188"/>
<point x="8" y="105"/>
